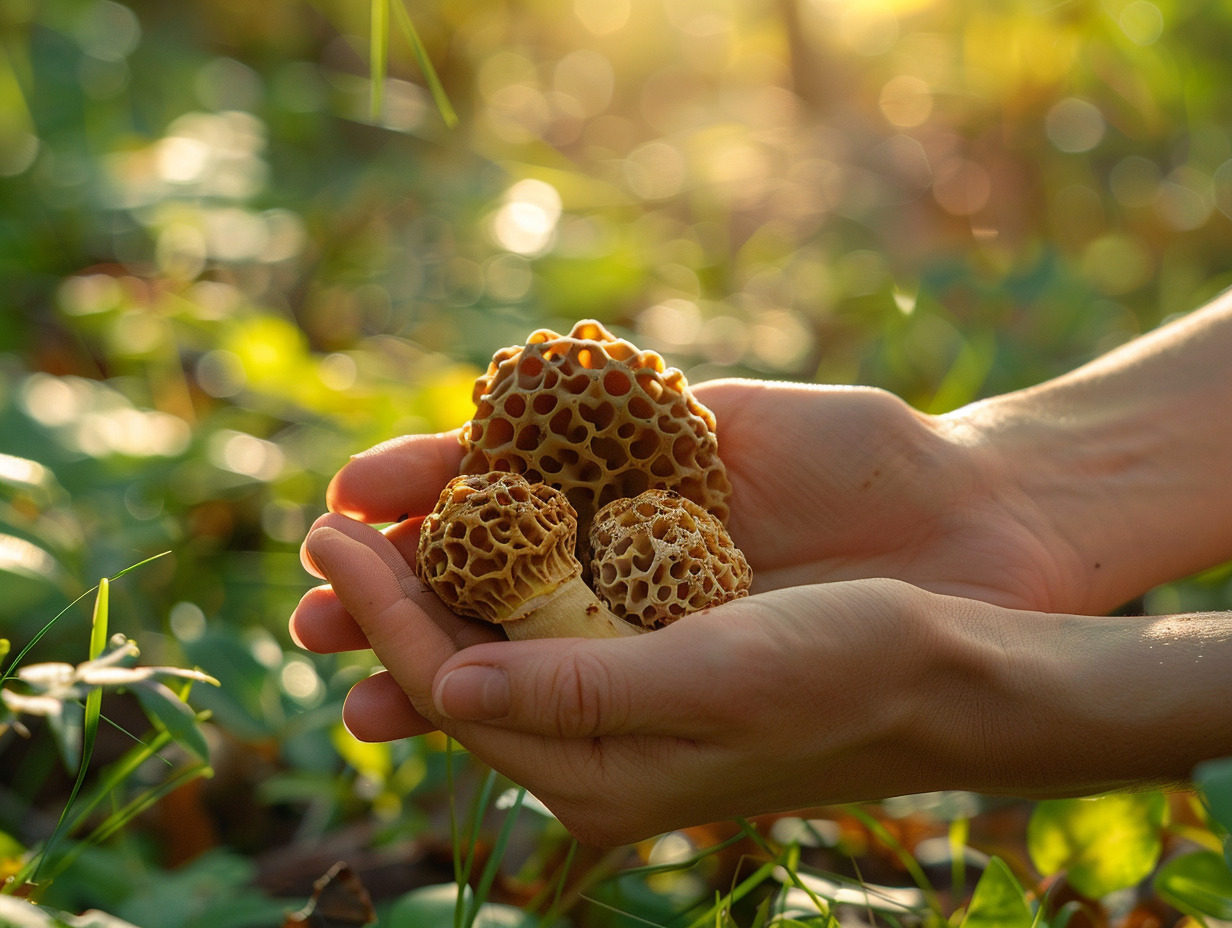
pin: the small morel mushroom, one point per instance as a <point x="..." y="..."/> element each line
<point x="596" y="417"/>
<point x="659" y="556"/>
<point x="499" y="548"/>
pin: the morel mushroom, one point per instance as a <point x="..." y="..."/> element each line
<point x="499" y="548"/>
<point x="596" y="417"/>
<point x="659" y="556"/>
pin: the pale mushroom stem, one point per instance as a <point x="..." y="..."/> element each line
<point x="570" y="611"/>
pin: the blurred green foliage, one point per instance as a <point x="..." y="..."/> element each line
<point x="221" y="272"/>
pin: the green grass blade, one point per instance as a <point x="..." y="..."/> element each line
<point x="94" y="709"/>
<point x="75" y="814"/>
<point x="38" y="636"/>
<point x="378" y="55"/>
<point x="553" y="912"/>
<point x="120" y="771"/>
<point x="738" y="892"/>
<point x="131" y="567"/>
<point x="790" y="866"/>
<point x="459" y="908"/>
<point x="121" y="817"/>
<point x="494" y="859"/>
<point x="960" y="829"/>
<point x="687" y="862"/>
<point x="910" y="864"/>
<point x="481" y="802"/>
<point x="102" y="612"/>
<point x="439" y="97"/>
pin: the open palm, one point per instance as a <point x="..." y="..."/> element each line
<point x="835" y="483"/>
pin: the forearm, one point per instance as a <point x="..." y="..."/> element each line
<point x="1074" y="705"/>
<point x="1128" y="459"/>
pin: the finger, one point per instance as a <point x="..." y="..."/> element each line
<point x="407" y="625"/>
<point x="320" y="623"/>
<point x="378" y="709"/>
<point x="395" y="479"/>
<point x="679" y="681"/>
<point x="404" y="536"/>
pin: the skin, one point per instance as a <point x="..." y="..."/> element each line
<point x="1007" y="527"/>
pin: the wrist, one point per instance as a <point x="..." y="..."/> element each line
<point x="1068" y="479"/>
<point x="1064" y="705"/>
<point x="1119" y="468"/>
<point x="1137" y="701"/>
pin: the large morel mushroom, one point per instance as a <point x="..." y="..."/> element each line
<point x="597" y="418"/>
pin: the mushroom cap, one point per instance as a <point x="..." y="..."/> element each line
<point x="659" y="556"/>
<point x="495" y="542"/>
<point x="596" y="417"/>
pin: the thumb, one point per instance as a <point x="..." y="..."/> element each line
<point x="671" y="682"/>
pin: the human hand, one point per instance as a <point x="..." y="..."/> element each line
<point x="806" y="695"/>
<point x="698" y="721"/>
<point x="830" y="484"/>
<point x="841" y="483"/>
<point x="917" y="690"/>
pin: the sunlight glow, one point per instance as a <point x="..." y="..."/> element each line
<point x="300" y="681"/>
<point x="187" y="621"/>
<point x="906" y="100"/>
<point x="1074" y="125"/>
<point x="182" y="160"/>
<point x="21" y="557"/>
<point x="526" y="223"/>
<point x="671" y="324"/>
<point x="23" y="471"/>
<point x="672" y="848"/>
<point x="602" y="17"/>
<point x="1142" y="22"/>
<point x="97" y="420"/>
<point x="655" y="171"/>
<point x="246" y="454"/>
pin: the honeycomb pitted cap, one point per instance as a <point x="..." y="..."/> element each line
<point x="658" y="557"/>
<point x="596" y="417"/>
<point x="495" y="542"/>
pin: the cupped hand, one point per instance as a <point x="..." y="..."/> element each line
<point x="829" y="484"/>
<point x="809" y="694"/>
<point x="841" y="483"/>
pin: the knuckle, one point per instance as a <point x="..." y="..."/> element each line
<point x="584" y="695"/>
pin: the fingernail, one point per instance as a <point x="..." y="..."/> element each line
<point x="316" y="547"/>
<point x="473" y="694"/>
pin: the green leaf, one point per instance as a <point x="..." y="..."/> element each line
<point x="999" y="900"/>
<point x="1215" y="779"/>
<point x="373" y="759"/>
<point x="1198" y="884"/>
<point x="434" y="905"/>
<point x="427" y="905"/>
<point x="1103" y="844"/>
<point x="66" y="727"/>
<point x="167" y="712"/>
